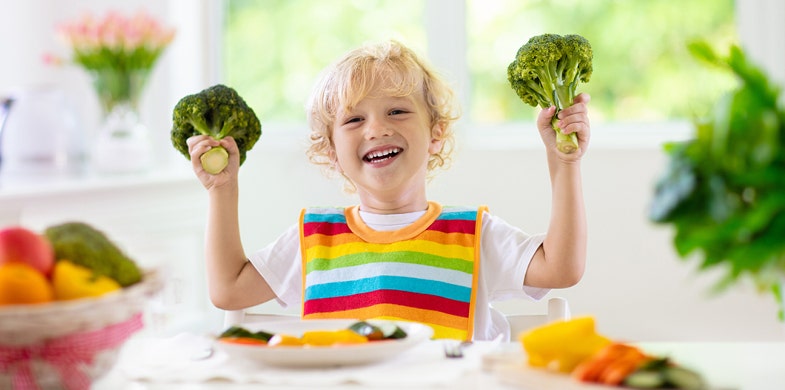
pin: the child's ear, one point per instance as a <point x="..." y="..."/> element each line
<point x="437" y="142"/>
<point x="334" y="164"/>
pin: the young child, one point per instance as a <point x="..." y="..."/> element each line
<point x="382" y="118"/>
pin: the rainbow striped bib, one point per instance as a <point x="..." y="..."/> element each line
<point x="425" y="272"/>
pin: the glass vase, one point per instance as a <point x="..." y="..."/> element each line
<point x="123" y="143"/>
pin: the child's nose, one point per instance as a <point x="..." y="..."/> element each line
<point x="376" y="128"/>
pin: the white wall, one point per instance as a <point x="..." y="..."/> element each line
<point x="634" y="284"/>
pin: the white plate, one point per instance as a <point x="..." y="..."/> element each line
<point x="329" y="356"/>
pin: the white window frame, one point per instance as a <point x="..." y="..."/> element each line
<point x="758" y="23"/>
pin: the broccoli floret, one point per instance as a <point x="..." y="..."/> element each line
<point x="218" y="111"/>
<point x="84" y="245"/>
<point x="546" y="72"/>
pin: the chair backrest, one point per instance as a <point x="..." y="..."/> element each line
<point x="236" y="317"/>
<point x="558" y="309"/>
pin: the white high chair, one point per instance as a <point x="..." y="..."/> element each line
<point x="558" y="309"/>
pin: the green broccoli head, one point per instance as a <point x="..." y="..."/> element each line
<point x="82" y="244"/>
<point x="218" y="111"/>
<point x="546" y="72"/>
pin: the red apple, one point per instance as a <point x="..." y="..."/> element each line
<point x="22" y="245"/>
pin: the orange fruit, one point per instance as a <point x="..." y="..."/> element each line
<point x="23" y="284"/>
<point x="73" y="281"/>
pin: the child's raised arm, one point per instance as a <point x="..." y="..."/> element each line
<point x="232" y="281"/>
<point x="561" y="259"/>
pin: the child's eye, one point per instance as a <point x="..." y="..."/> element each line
<point x="397" y="112"/>
<point x="352" y="120"/>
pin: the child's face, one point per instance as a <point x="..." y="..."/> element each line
<point x="383" y="144"/>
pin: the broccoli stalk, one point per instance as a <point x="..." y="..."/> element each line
<point x="218" y="111"/>
<point x="546" y="72"/>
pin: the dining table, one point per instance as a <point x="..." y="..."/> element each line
<point x="190" y="361"/>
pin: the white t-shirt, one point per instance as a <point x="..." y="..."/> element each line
<point x="505" y="253"/>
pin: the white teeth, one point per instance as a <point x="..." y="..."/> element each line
<point x="382" y="153"/>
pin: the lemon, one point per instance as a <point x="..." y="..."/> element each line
<point x="73" y="281"/>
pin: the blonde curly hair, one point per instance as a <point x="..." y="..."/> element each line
<point x="349" y="80"/>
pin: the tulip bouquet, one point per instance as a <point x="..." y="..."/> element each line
<point x="118" y="51"/>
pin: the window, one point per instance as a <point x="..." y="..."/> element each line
<point x="274" y="49"/>
<point x="642" y="70"/>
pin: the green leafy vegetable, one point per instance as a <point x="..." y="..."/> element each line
<point x="89" y="247"/>
<point x="546" y="72"/>
<point x="218" y="111"/>
<point x="723" y="189"/>
<point x="238" y="331"/>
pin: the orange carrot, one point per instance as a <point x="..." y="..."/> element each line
<point x="589" y="370"/>
<point x="610" y="365"/>
<point x="615" y="373"/>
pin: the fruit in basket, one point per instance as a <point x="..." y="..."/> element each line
<point x="84" y="245"/>
<point x="22" y="245"/>
<point x="22" y="284"/>
<point x="72" y="281"/>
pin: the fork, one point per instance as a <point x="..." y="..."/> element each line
<point x="454" y="350"/>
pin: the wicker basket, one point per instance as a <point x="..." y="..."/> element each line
<point x="66" y="345"/>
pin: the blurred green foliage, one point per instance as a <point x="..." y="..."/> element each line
<point x="274" y="49"/>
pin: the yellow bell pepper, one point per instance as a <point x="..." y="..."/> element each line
<point x="562" y="345"/>
<point x="73" y="281"/>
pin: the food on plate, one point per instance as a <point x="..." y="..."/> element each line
<point x="332" y="337"/>
<point x="218" y="112"/>
<point x="243" y="340"/>
<point x="73" y="281"/>
<point x="240" y="332"/>
<point x="359" y="332"/>
<point x="22" y="284"/>
<point x="382" y="331"/>
<point x="285" y="340"/>
<point x="662" y="373"/>
<point x="21" y="245"/>
<point x="574" y="347"/>
<point x="562" y="345"/>
<point x="623" y="364"/>
<point x="547" y="70"/>
<point x="611" y="365"/>
<point x="89" y="247"/>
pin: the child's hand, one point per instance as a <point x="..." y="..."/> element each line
<point x="573" y="119"/>
<point x="200" y="144"/>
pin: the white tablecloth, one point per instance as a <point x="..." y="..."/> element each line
<point x="170" y="360"/>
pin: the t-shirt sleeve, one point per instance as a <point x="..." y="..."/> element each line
<point x="279" y="264"/>
<point x="506" y="252"/>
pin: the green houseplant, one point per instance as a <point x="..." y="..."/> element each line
<point x="723" y="191"/>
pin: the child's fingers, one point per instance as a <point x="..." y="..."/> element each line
<point x="544" y="118"/>
<point x="584" y="98"/>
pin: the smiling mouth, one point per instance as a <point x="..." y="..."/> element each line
<point x="381" y="155"/>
